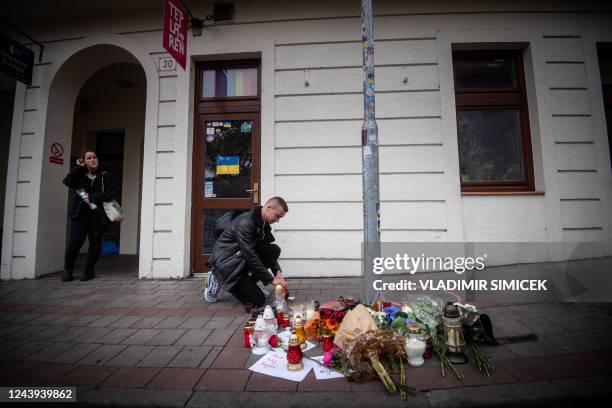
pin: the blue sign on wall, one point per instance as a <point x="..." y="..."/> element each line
<point x="16" y="60"/>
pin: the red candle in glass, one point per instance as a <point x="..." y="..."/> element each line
<point x="279" y="319"/>
<point x="294" y="354"/>
<point x="327" y="342"/>
<point x="286" y="323"/>
<point x="428" y="349"/>
<point x="248" y="330"/>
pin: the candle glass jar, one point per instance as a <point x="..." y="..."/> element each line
<point x="300" y="332"/>
<point x="453" y="335"/>
<point x="248" y="331"/>
<point x="259" y="337"/>
<point x="415" y="346"/>
<point x="270" y="320"/>
<point x="294" y="354"/>
<point x="286" y="322"/>
<point x="327" y="342"/>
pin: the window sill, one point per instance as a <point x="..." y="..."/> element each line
<point x="502" y="193"/>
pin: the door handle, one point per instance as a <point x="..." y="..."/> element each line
<point x="255" y="192"/>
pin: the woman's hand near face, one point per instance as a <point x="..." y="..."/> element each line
<point x="80" y="162"/>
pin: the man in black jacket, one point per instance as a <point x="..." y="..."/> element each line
<point x="244" y="254"/>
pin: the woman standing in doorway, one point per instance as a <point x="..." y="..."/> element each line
<point x="87" y="217"/>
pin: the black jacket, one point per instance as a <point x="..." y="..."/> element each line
<point x="100" y="190"/>
<point x="235" y="250"/>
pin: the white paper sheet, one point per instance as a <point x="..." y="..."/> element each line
<point x="275" y="364"/>
<point x="284" y="337"/>
<point x="322" y="372"/>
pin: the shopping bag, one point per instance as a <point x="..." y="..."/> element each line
<point x="113" y="211"/>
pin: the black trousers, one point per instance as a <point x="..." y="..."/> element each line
<point x="246" y="289"/>
<point x="87" y="225"/>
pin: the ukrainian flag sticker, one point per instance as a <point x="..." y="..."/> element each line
<point x="228" y="165"/>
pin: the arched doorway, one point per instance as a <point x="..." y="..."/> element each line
<point x="97" y="98"/>
<point x="109" y="118"/>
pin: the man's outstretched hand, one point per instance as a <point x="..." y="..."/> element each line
<point x="280" y="280"/>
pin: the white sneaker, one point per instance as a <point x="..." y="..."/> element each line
<point x="211" y="286"/>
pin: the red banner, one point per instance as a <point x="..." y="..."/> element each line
<point x="175" y="31"/>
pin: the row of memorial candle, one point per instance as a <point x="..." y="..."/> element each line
<point x="262" y="326"/>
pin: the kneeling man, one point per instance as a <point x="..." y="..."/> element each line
<point x="243" y="254"/>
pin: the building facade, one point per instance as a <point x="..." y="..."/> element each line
<point x="491" y="115"/>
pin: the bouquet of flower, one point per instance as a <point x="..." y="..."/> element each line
<point x="428" y="311"/>
<point x="391" y="313"/>
<point x="361" y="357"/>
<point x="333" y="359"/>
<point x="380" y="318"/>
<point x="477" y="328"/>
<point x="331" y="314"/>
<point x="314" y="326"/>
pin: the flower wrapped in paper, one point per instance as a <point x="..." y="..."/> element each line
<point x="355" y="323"/>
<point x="332" y="315"/>
<point x="361" y="356"/>
<point x="313" y="326"/>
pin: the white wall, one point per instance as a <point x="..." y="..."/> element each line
<point x="310" y="134"/>
<point x="44" y="115"/>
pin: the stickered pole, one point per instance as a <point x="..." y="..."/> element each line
<point x="369" y="150"/>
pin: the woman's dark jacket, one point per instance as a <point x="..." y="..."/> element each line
<point x="77" y="179"/>
<point x="235" y="253"/>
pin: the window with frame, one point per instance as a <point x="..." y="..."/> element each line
<point x="492" y="121"/>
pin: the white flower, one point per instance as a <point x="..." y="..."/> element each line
<point x="467" y="307"/>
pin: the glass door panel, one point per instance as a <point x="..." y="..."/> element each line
<point x="228" y="158"/>
<point x="226" y="176"/>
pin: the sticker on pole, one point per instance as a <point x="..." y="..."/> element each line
<point x="378" y="217"/>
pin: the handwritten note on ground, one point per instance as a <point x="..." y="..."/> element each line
<point x="322" y="372"/>
<point x="275" y="364"/>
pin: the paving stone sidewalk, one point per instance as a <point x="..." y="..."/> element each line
<point x="124" y="341"/>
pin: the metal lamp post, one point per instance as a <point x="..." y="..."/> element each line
<point x="369" y="149"/>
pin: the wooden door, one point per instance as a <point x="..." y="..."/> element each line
<point x="109" y="149"/>
<point x="227" y="174"/>
<point x="226" y="170"/>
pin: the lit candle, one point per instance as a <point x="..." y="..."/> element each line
<point x="294" y="354"/>
<point x="299" y="330"/>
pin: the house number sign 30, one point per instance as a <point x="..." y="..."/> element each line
<point x="167" y="64"/>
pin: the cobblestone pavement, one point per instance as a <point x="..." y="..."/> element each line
<point x="124" y="341"/>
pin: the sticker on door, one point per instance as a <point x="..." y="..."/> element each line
<point x="208" y="190"/>
<point x="228" y="165"/>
